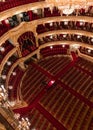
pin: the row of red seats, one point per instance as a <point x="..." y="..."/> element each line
<point x="53" y="51"/>
<point x="13" y="3"/>
<point x="61" y="112"/>
<point x="32" y="84"/>
<point x="86" y="119"/>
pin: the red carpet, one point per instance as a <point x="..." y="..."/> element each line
<point x="25" y="110"/>
<point x="55" y="122"/>
<point x="79" y="96"/>
<point x="63" y="71"/>
<point x="41" y="70"/>
<point x="74" y="56"/>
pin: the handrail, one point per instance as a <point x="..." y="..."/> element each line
<point x="31" y="26"/>
<point x="17" y="63"/>
<point x="36" y="52"/>
<point x="6" y="58"/>
<point x="65" y="31"/>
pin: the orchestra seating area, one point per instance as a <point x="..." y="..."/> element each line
<point x="79" y="81"/>
<point x="53" y="64"/>
<point x="68" y="109"/>
<point x="42" y="123"/>
<point x="32" y="84"/>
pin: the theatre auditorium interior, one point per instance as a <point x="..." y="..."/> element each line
<point x="46" y="64"/>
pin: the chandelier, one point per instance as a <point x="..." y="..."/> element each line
<point x="4" y="102"/>
<point x="68" y="6"/>
<point x="68" y="9"/>
<point x="24" y="124"/>
<point x="3" y="97"/>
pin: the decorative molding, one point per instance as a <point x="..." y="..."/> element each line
<point x="14" y="33"/>
<point x="10" y="53"/>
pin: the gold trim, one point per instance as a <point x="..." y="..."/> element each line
<point x="14" y="33"/>
<point x="6" y="58"/>
<point x="66" y="31"/>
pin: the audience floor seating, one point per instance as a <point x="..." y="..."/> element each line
<point x="58" y="108"/>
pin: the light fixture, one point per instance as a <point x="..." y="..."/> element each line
<point x="89" y="51"/>
<point x="35" y="11"/>
<point x="14" y="73"/>
<point x="68" y="6"/>
<point x="68" y="9"/>
<point x="6" y="21"/>
<point x="4" y="102"/>
<point x="51" y="47"/>
<point x="63" y="46"/>
<point x="8" y="63"/>
<point x="3" y="77"/>
<point x="91" y="39"/>
<point x="10" y="87"/>
<point x="20" y="15"/>
<point x="64" y="35"/>
<point x="51" y="36"/>
<point x="17" y="116"/>
<point x="75" y="46"/>
<point x="51" y="24"/>
<point x="81" y="23"/>
<point x="65" y="22"/>
<point x="3" y="97"/>
<point x="78" y="36"/>
<point x="24" y="124"/>
<point x="2" y="49"/>
<point x="12" y="103"/>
